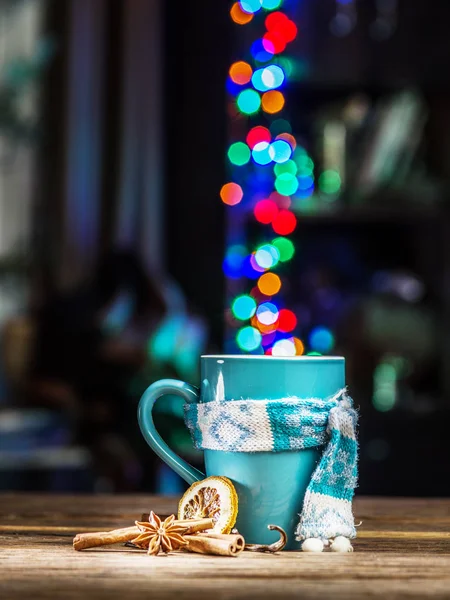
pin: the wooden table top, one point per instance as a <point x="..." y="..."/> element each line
<point x="402" y="551"/>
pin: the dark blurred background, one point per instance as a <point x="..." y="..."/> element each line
<point x="120" y="264"/>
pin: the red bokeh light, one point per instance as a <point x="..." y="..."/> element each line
<point x="277" y="23"/>
<point x="281" y="201"/>
<point x="284" y="222"/>
<point x="258" y="295"/>
<point x="275" y="20"/>
<point x="274" y="42"/>
<point x="289" y="31"/>
<point x="287" y="137"/>
<point x="258" y="134"/>
<point x="268" y="352"/>
<point x="266" y="211"/>
<point x="287" y="321"/>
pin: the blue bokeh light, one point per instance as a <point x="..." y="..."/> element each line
<point x="248" y="338"/>
<point x="234" y="261"/>
<point x="251" y="6"/>
<point x="261" y="153"/>
<point x="259" y="53"/>
<point x="272" y="77"/>
<point x="321" y="339"/>
<point x="281" y="151"/>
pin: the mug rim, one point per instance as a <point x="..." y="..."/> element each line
<point x="266" y="357"/>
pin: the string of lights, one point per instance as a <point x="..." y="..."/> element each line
<point x="269" y="173"/>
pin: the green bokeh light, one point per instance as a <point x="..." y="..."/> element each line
<point x="271" y="4"/>
<point x="285" y="247"/>
<point x="287" y="167"/>
<point x="287" y="64"/>
<point x="304" y="163"/>
<point x="330" y="182"/>
<point x="286" y="184"/>
<point x="239" y="154"/>
<point x="249" y="102"/>
<point x="280" y="126"/>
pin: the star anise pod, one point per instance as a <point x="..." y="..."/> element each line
<point x="156" y="535"/>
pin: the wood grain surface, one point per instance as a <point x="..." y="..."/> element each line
<point x="402" y="551"/>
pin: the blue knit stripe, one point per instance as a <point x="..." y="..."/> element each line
<point x="292" y="424"/>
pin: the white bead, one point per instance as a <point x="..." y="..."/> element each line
<point x="312" y="545"/>
<point x="341" y="544"/>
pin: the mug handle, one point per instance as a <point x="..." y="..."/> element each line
<point x="160" y="388"/>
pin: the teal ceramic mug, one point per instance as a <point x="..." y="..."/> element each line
<point x="270" y="485"/>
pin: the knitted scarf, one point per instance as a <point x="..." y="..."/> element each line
<point x="292" y="424"/>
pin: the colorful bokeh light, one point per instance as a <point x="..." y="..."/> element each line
<point x="249" y="101"/>
<point x="304" y="163"/>
<point x="286" y="184"/>
<point x="240" y="72"/>
<point x="289" y="138"/>
<point x="261" y="153"/>
<point x="272" y="102"/>
<point x="299" y="346"/>
<point x="284" y="347"/>
<point x="234" y="261"/>
<point x="251" y="6"/>
<point x="264" y="328"/>
<point x="267" y="256"/>
<point x="287" y="321"/>
<point x="268" y="78"/>
<point x="239" y="154"/>
<point x="257" y="81"/>
<point x="268" y="339"/>
<point x="321" y="339"/>
<point x="265" y="211"/>
<point x="279" y="126"/>
<point x="231" y="194"/>
<point x="285" y="248"/>
<point x="288" y="30"/>
<point x="281" y="201"/>
<point x="304" y="183"/>
<point x="243" y="307"/>
<point x="269" y="284"/>
<point x="330" y="182"/>
<point x="287" y="167"/>
<point x="239" y="16"/>
<point x="275" y="21"/>
<point x="271" y="4"/>
<point x="271" y="189"/>
<point x="250" y="269"/>
<point x="255" y="265"/>
<point x="281" y="151"/>
<point x="278" y="23"/>
<point x="258" y="134"/>
<point x="273" y="42"/>
<point x="248" y="338"/>
<point x="284" y="222"/>
<point x="267" y="313"/>
<point x="259" y="53"/>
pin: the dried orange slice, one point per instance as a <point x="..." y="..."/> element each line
<point x="213" y="497"/>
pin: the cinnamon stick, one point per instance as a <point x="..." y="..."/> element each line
<point x="219" y="544"/>
<point x="194" y="525"/>
<point x="102" y="538"/>
<point x="82" y="541"/>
